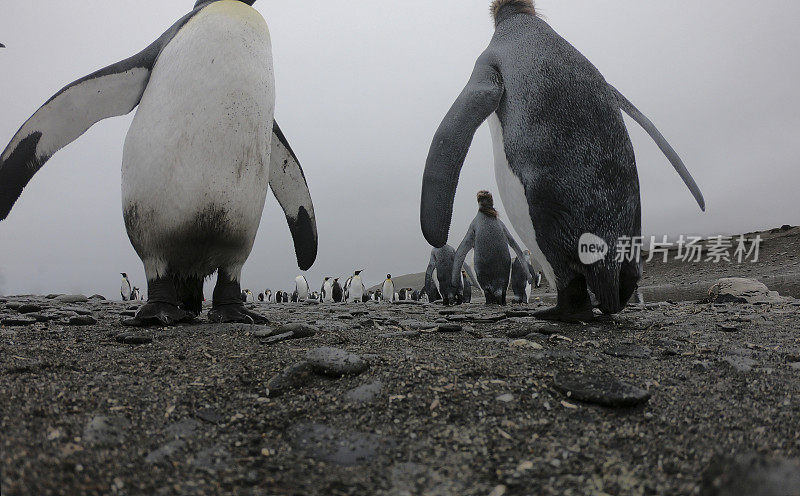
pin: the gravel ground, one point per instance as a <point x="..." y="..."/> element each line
<point x="401" y="399"/>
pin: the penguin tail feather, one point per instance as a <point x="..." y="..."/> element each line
<point x="190" y="293"/>
<point x="604" y="280"/>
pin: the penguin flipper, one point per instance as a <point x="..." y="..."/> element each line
<point x="289" y="185"/>
<point x="112" y="91"/>
<point x="452" y="140"/>
<point x="663" y="144"/>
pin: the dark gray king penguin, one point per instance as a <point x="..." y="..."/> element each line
<point x="441" y="287"/>
<point x="125" y="287"/>
<point x="198" y="159"/>
<point x="338" y="293"/>
<point x="490" y="239"/>
<point x="564" y="163"/>
<point x="519" y="283"/>
<point x="466" y="292"/>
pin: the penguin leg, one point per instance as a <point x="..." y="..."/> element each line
<point x="228" y="306"/>
<point x="574" y="304"/>
<point x="162" y="305"/>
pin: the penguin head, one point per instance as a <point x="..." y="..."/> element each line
<point x="2" y="46"/>
<point x="486" y="203"/>
<point x="336" y="279"/>
<point x="388" y="276"/>
<point x="358" y="272"/>
<point x="124" y="275"/>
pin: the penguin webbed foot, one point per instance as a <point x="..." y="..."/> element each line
<point x="573" y="305"/>
<point x="159" y="314"/>
<point x="235" y="314"/>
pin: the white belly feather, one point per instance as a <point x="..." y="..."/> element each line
<point x="200" y="142"/>
<point x="512" y="192"/>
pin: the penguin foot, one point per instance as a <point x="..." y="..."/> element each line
<point x="159" y="314"/>
<point x="235" y="314"/>
<point x="569" y="315"/>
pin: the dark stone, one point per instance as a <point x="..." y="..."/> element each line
<point x="14" y="305"/>
<point x="337" y="446"/>
<point x="289" y="331"/>
<point x="29" y="308"/>
<point x="106" y="431"/>
<point x="209" y="415"/>
<point x="365" y="393"/>
<point x="416" y="325"/>
<point x="600" y="389"/>
<point x="184" y="429"/>
<point x="82" y="320"/>
<point x="751" y="475"/>
<point x="18" y="321"/>
<point x="165" y="453"/>
<point x="335" y="362"/>
<point x="400" y="334"/>
<point x="450" y="328"/>
<point x="97" y="297"/>
<point x="517" y="333"/>
<point x="629" y="351"/>
<point x="212" y="459"/>
<point x="72" y="299"/>
<point x="740" y="364"/>
<point x="292" y="377"/>
<point x="134" y="339"/>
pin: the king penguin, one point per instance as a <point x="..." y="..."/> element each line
<point x="564" y="162"/>
<point x="388" y="289"/>
<point x="337" y="291"/>
<point x="301" y="287"/>
<point x="125" y="287"/>
<point x="356" y="289"/>
<point x="198" y="159"/>
<point x="327" y="290"/>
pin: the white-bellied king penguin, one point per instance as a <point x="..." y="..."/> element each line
<point x="125" y="287"/>
<point x="199" y="156"/>
<point x="327" y="290"/>
<point x="388" y="289"/>
<point x="355" y="288"/>
<point x="564" y="163"/>
<point x="301" y="287"/>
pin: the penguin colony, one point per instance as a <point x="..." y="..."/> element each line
<point x="192" y="201"/>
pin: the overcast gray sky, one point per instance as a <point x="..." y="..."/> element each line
<point x="361" y="88"/>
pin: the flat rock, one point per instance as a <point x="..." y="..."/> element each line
<point x="82" y="320"/>
<point x="212" y="459"/>
<point x="18" y="321"/>
<point x="400" y="334"/>
<point x="450" y="328"/>
<point x="210" y="415"/>
<point x="752" y="475"/>
<point x="183" y="429"/>
<point x="517" y="333"/>
<point x="292" y="377"/>
<point x="165" y="453"/>
<point x="739" y="363"/>
<point x="335" y="362"/>
<point x="629" y="351"/>
<point x="106" y="431"/>
<point x="739" y="290"/>
<point x="334" y="445"/>
<point x="416" y="325"/>
<point x="29" y="308"/>
<point x="600" y="389"/>
<point x="133" y="338"/>
<point x="365" y="393"/>
<point x="72" y="299"/>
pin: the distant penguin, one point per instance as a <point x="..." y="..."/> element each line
<point x="539" y="279"/>
<point x="301" y="287"/>
<point x="125" y="287"/>
<point x="268" y="296"/>
<point x="261" y="297"/>
<point x="199" y="157"/>
<point x="356" y="288"/>
<point x="388" y="289"/>
<point x="327" y="290"/>
<point x="442" y="287"/>
<point x="367" y="296"/>
<point x="244" y="296"/>
<point x="564" y="162"/>
<point x="248" y="296"/>
<point x="135" y="294"/>
<point x="338" y="293"/>
<point x="415" y="295"/>
<point x="490" y="238"/>
<point x="2" y="46"/>
<point x="466" y="292"/>
<point x="347" y="288"/>
<point x="519" y="282"/>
